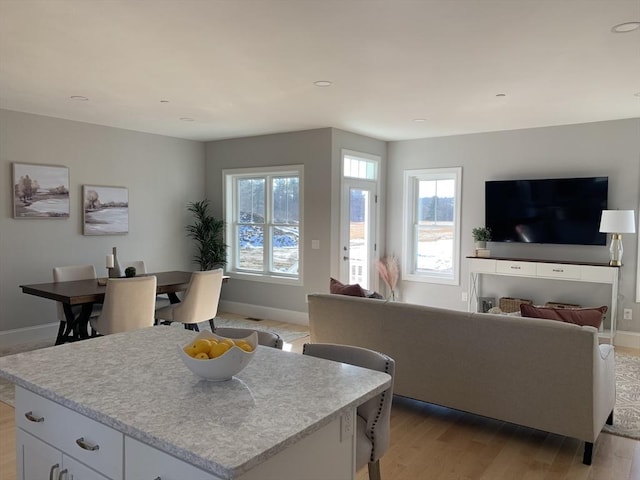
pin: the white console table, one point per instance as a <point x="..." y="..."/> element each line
<point x="549" y="270"/>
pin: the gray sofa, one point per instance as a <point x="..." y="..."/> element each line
<point x="543" y="374"/>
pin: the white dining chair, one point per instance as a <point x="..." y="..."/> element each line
<point x="129" y="304"/>
<point x="374" y="416"/>
<point x="199" y="304"/>
<point x="162" y="300"/>
<point x="68" y="274"/>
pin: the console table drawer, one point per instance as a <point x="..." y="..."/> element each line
<point x="516" y="268"/>
<point x="558" y="270"/>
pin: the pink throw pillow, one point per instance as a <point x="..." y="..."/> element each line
<point x="340" y="288"/>
<point x="580" y="316"/>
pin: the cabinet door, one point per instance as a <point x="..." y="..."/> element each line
<point x="78" y="471"/>
<point x="36" y="459"/>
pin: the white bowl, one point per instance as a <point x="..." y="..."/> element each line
<point x="225" y="366"/>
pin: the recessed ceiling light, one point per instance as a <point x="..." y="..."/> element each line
<point x="625" y="27"/>
<point x="186" y="119"/>
<point x="323" y="83"/>
<point x="80" y="98"/>
<point x="501" y="94"/>
<point x="419" y="120"/>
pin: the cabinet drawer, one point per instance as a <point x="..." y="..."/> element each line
<point x="516" y="268"/>
<point x="558" y="270"/>
<point x="478" y="265"/>
<point x="71" y="432"/>
<point x="143" y="461"/>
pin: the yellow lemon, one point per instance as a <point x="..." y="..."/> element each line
<point x="240" y="342"/>
<point x="229" y="342"/>
<point x="201" y="345"/>
<point x="190" y="350"/>
<point x="201" y="356"/>
<point x="218" y="349"/>
<point x="246" y="347"/>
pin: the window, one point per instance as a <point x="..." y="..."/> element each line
<point x="263" y="212"/>
<point x="432" y="225"/>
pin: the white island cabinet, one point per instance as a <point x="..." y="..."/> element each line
<point x="124" y="407"/>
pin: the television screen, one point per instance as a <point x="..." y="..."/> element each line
<point x="556" y="211"/>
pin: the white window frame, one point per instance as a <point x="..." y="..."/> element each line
<point x="409" y="240"/>
<point x="229" y="185"/>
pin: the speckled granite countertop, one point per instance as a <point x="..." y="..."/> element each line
<point x="136" y="383"/>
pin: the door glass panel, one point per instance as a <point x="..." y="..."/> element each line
<point x="359" y="218"/>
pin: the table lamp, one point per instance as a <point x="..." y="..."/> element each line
<point x="617" y="222"/>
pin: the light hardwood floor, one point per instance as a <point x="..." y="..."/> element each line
<point x="436" y="443"/>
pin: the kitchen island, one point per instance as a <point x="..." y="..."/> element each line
<point x="124" y="406"/>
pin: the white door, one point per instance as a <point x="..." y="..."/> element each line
<point x="358" y="232"/>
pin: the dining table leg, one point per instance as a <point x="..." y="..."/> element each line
<point x="75" y="327"/>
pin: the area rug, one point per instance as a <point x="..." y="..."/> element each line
<point x="289" y="332"/>
<point x="626" y="414"/>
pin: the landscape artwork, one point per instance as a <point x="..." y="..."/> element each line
<point x="105" y="210"/>
<point x="40" y="191"/>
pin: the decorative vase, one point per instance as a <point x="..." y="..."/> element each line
<point x="481" y="244"/>
<point x="116" y="271"/>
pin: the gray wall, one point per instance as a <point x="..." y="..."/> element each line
<point x="161" y="173"/>
<point x="597" y="149"/>
<point x="319" y="152"/>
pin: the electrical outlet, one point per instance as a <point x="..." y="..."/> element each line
<point x="464" y="297"/>
<point x="628" y="314"/>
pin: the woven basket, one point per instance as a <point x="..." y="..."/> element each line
<point x="561" y="305"/>
<point x="509" y="304"/>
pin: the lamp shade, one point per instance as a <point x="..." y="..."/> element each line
<point x="618" y="221"/>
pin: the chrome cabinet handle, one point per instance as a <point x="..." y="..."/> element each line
<point x="559" y="270"/>
<point x="62" y="472"/>
<point x="53" y="468"/>
<point x="33" y="418"/>
<point x="514" y="268"/>
<point x="82" y="443"/>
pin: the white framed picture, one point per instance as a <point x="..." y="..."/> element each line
<point x="40" y="191"/>
<point x="105" y="210"/>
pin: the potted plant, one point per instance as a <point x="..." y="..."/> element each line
<point x="481" y="235"/>
<point x="208" y="232"/>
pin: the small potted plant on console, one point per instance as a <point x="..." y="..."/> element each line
<point x="481" y="235"/>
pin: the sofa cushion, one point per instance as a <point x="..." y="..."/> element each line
<point x="580" y="316"/>
<point x="355" y="290"/>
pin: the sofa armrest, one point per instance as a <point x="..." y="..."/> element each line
<point x="604" y="386"/>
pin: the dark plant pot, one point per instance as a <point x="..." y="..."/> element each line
<point x="130" y="272"/>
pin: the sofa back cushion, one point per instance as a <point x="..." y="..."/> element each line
<point x="580" y="316"/>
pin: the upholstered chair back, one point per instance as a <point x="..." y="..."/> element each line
<point x="69" y="274"/>
<point x="200" y="301"/>
<point x="129" y="304"/>
<point x="373" y="422"/>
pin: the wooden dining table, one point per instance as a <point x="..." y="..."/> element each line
<point x="86" y="293"/>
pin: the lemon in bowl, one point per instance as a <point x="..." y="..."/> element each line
<point x="217" y="358"/>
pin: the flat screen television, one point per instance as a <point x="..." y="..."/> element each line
<point x="555" y="211"/>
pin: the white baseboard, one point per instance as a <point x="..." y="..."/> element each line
<point x="266" y="313"/>
<point x="38" y="333"/>
<point x="627" y="339"/>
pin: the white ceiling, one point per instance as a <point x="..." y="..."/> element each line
<point x="247" y="67"/>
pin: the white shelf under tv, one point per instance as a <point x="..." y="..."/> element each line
<point x="546" y="270"/>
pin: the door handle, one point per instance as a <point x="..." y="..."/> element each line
<point x="62" y="472"/>
<point x="53" y="469"/>
<point x="82" y="443"/>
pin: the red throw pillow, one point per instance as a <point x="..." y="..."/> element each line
<point x="580" y="316"/>
<point x="340" y="288"/>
